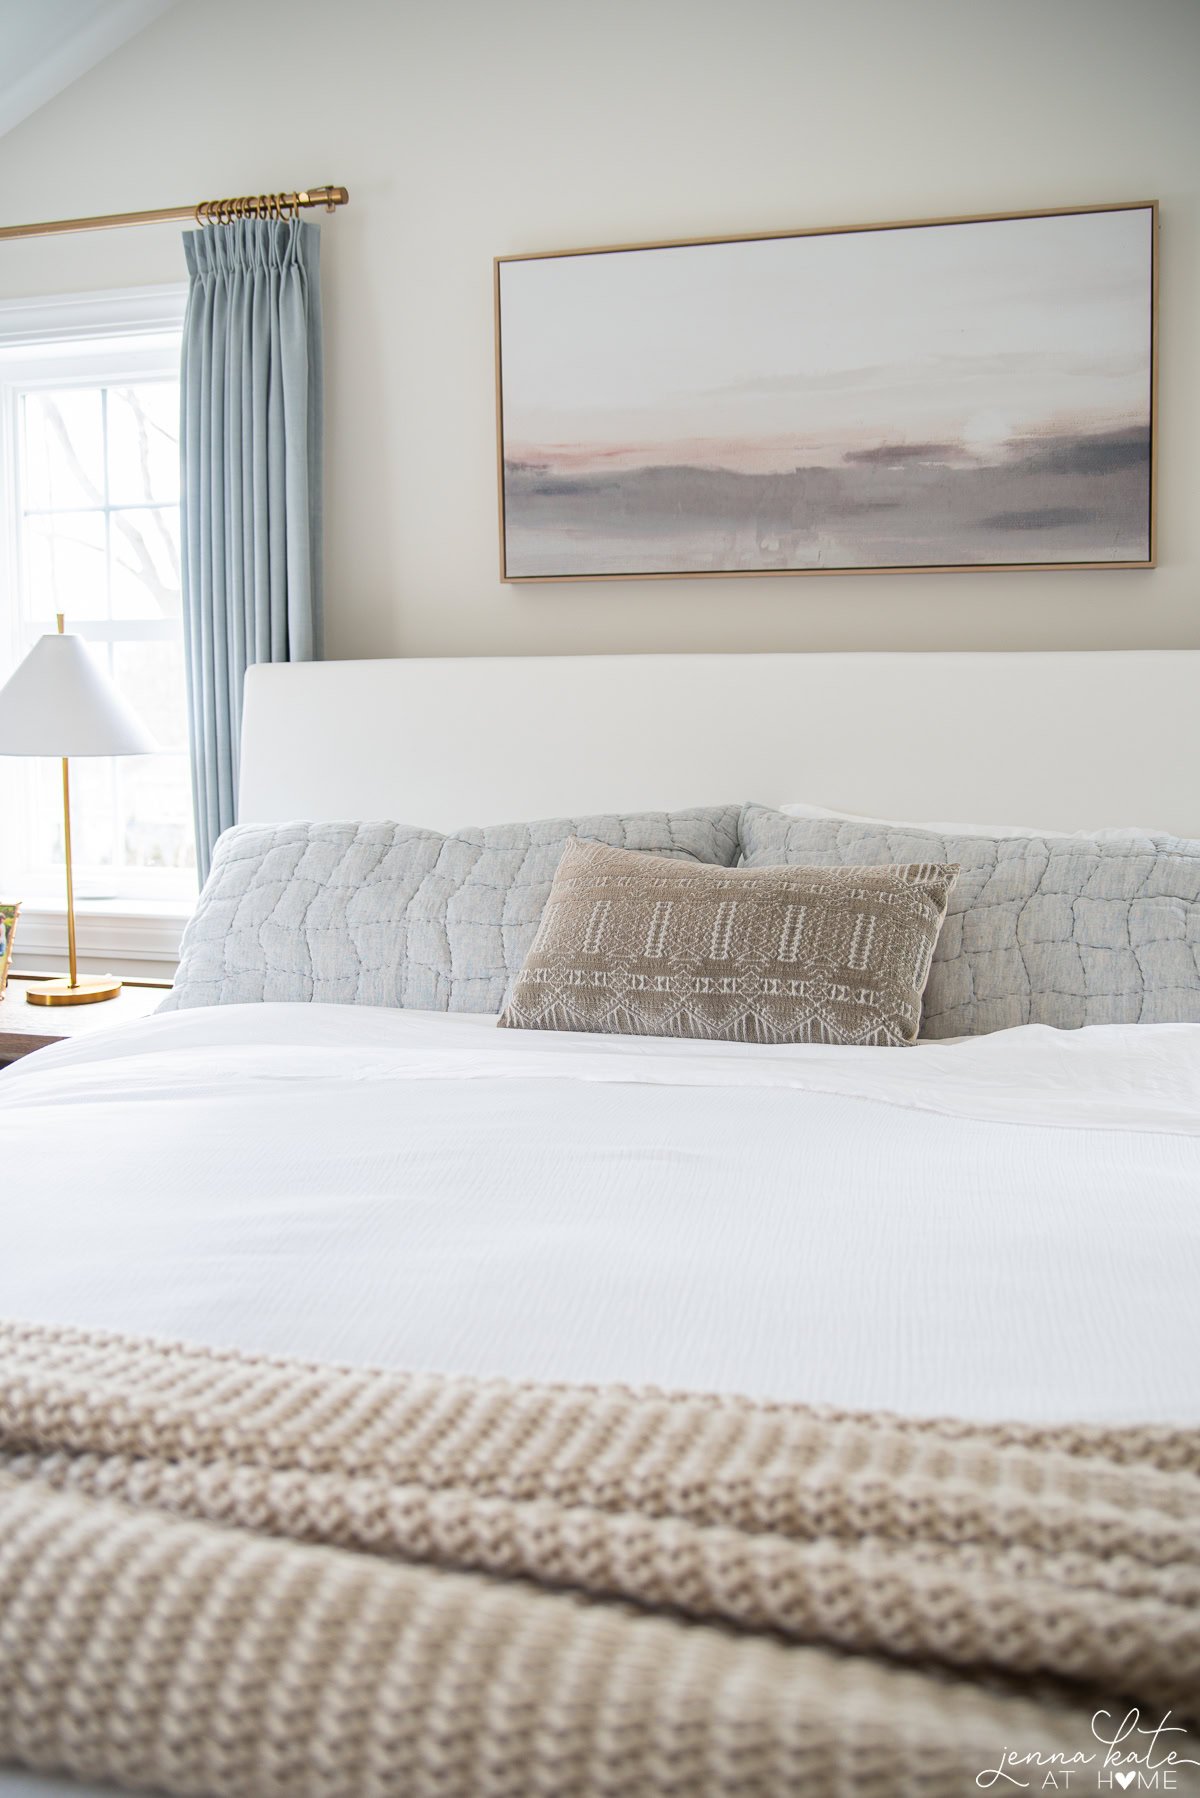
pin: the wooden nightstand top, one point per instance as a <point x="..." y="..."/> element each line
<point x="25" y="1027"/>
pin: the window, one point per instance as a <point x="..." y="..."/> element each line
<point x="90" y="526"/>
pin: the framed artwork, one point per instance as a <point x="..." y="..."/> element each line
<point x="8" y="923"/>
<point x="973" y="393"/>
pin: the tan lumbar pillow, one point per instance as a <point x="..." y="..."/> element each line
<point x="639" y="945"/>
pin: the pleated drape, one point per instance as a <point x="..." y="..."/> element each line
<point x="250" y="443"/>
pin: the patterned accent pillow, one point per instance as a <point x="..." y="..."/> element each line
<point x="385" y="914"/>
<point x="1053" y="930"/>
<point x="638" y="946"/>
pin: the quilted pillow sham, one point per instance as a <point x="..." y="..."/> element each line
<point x="1064" y="931"/>
<point x="635" y="945"/>
<point x="386" y="914"/>
<point x="1107" y="834"/>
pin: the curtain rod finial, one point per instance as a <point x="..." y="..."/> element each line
<point x="329" y="197"/>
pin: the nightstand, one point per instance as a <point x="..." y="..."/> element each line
<point x="25" y="1027"/>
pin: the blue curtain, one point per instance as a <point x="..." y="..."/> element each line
<point x="250" y="445"/>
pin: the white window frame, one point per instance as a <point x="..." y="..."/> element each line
<point x="142" y="927"/>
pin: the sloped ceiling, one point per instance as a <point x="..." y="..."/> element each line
<point x="47" y="44"/>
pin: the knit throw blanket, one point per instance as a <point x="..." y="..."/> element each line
<point x="230" y="1575"/>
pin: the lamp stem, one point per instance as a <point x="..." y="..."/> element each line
<point x="74" y="979"/>
<point x="60" y="620"/>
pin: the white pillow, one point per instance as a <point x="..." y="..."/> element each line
<point x="1116" y="833"/>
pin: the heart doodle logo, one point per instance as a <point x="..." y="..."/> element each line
<point x="1124" y="1780"/>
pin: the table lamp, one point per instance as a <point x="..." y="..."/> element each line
<point x="59" y="703"/>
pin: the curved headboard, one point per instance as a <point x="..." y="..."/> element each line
<point x="1064" y="739"/>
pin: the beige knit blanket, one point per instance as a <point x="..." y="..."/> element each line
<point x="224" y="1574"/>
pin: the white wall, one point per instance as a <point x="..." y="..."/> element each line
<point x="467" y="128"/>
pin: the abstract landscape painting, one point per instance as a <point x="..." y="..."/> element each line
<point x="968" y="394"/>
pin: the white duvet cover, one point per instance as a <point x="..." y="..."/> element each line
<point x="1006" y="1226"/>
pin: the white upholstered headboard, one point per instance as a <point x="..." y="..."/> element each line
<point x="1065" y="739"/>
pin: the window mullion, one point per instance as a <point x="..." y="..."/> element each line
<point x="114" y="784"/>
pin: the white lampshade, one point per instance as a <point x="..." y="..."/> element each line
<point x="58" y="702"/>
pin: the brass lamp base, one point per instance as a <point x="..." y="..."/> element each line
<point x="81" y="992"/>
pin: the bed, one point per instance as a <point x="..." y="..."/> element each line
<point x="1002" y="1231"/>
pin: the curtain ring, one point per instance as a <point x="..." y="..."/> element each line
<point x="284" y="207"/>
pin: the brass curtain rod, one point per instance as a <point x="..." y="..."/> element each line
<point x="208" y="212"/>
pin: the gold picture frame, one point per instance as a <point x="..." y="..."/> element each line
<point x="1079" y="494"/>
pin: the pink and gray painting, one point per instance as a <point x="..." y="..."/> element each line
<point x="939" y="395"/>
